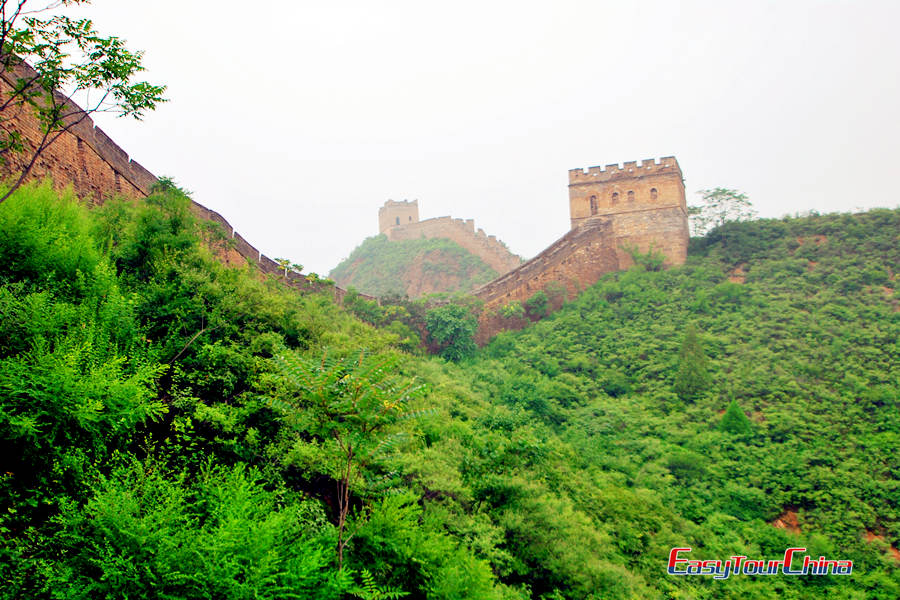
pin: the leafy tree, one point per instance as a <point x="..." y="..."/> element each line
<point x="347" y="406"/>
<point x="735" y="421"/>
<point x="536" y="307"/>
<point x="719" y="206"/>
<point x="70" y="62"/>
<point x="452" y="329"/>
<point x="652" y="260"/>
<point x="287" y="265"/>
<point x="513" y="310"/>
<point x="692" y="377"/>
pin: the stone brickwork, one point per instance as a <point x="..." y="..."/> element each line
<point x="394" y="214"/>
<point x="85" y="157"/>
<point x="463" y="232"/>
<point x="614" y="211"/>
<point x="574" y="260"/>
<point x="88" y="160"/>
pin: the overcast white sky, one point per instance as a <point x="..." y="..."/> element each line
<point x="297" y="120"/>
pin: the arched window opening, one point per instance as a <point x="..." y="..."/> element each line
<point x="615" y="198"/>
<point x="593" y="205"/>
<point x="398" y="220"/>
<point x="653" y="194"/>
<point x="410" y="219"/>
<point x="630" y="196"/>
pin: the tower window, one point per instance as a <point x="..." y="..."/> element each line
<point x="410" y="219"/>
<point x="630" y="196"/>
<point x="593" y="205"/>
<point x="615" y="198"/>
<point x="653" y="194"/>
<point x="398" y="220"/>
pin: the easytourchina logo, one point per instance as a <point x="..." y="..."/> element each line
<point x="794" y="562"/>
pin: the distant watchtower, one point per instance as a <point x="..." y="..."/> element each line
<point x="394" y="213"/>
<point x="614" y="190"/>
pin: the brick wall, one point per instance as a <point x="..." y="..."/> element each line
<point x="88" y="160"/>
<point x="578" y="259"/>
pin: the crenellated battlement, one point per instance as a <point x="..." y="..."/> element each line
<point x="648" y="166"/>
<point x="613" y="209"/>
<point x="396" y="213"/>
<point x="389" y="204"/>
<point x="616" y="189"/>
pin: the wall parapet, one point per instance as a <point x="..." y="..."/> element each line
<point x="529" y="276"/>
<point x="579" y="258"/>
<point x="84" y="129"/>
<point x="97" y="168"/>
<point x="462" y="231"/>
<point x="629" y="169"/>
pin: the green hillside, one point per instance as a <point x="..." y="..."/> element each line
<point x="172" y="428"/>
<point x="413" y="267"/>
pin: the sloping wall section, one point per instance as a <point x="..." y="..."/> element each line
<point x="614" y="212"/>
<point x="86" y="158"/>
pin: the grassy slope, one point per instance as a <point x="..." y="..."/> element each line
<point x="378" y="267"/>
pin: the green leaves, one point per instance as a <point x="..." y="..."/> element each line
<point x="146" y="532"/>
<point x="692" y="378"/>
<point x="349" y="403"/>
<point x="381" y="268"/>
<point x="368" y="589"/>
<point x="70" y="62"/>
<point x="452" y="330"/>
<point x="347" y="400"/>
<point x="735" y="421"/>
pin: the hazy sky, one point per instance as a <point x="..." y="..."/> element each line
<point x="297" y="120"/>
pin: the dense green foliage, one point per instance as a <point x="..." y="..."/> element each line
<point x="452" y="331"/>
<point x="378" y="267"/>
<point x="173" y="428"/>
<point x="692" y="377"/>
<point x="808" y="344"/>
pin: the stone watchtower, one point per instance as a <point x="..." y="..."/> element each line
<point x="616" y="190"/>
<point x="394" y="213"/>
<point x="644" y="207"/>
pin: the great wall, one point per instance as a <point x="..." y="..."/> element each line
<point x="651" y="216"/>
<point x="96" y="168"/>
<point x="400" y="221"/>
<point x="615" y="211"/>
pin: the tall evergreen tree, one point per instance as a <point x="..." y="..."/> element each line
<point x="692" y="378"/>
<point x="735" y="420"/>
